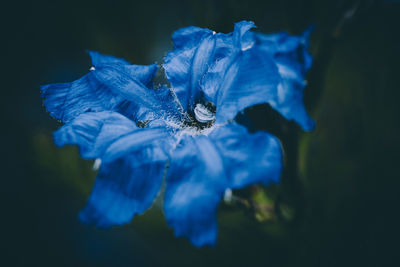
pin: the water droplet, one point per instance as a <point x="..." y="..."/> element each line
<point x="96" y="164"/>
<point x="228" y="195"/>
<point x="202" y="114"/>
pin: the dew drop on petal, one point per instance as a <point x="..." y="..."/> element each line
<point x="228" y="195"/>
<point x="96" y="164"/>
<point x="202" y="114"/>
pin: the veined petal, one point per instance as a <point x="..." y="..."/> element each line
<point x="93" y="132"/>
<point x="195" y="184"/>
<point x="141" y="73"/>
<point x="189" y="37"/>
<point x="242" y="78"/>
<point x="203" y="167"/>
<point x="242" y="36"/>
<point x="293" y="61"/>
<point x="100" y="59"/>
<point x="248" y="158"/>
<point x="185" y="65"/>
<point x="129" y="179"/>
<point x="111" y="85"/>
<point x="237" y="82"/>
<point x="260" y="69"/>
<point x="195" y="50"/>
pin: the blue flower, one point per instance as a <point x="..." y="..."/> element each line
<point x="185" y="133"/>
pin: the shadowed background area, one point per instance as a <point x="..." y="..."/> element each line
<point x="341" y="180"/>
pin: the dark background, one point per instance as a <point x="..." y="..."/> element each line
<point x="346" y="171"/>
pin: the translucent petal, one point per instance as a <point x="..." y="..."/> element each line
<point x="142" y="73"/>
<point x="100" y="59"/>
<point x="195" y="185"/>
<point x="237" y="82"/>
<point x="242" y="37"/>
<point x="242" y="78"/>
<point x="189" y="37"/>
<point x="93" y="132"/>
<point x="292" y="60"/>
<point x="129" y="179"/>
<point x="248" y="158"/>
<point x="202" y="168"/>
<point x="195" y="50"/>
<point x="260" y="69"/>
<point x="111" y="85"/>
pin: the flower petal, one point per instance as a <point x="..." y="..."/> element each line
<point x="181" y="67"/>
<point x="129" y="178"/>
<point x="242" y="78"/>
<point x="261" y="69"/>
<point x="237" y="82"/>
<point x="248" y="158"/>
<point x="142" y="73"/>
<point x="195" y="185"/>
<point x="243" y="38"/>
<point x="195" y="50"/>
<point x="111" y="85"/>
<point x="93" y="132"/>
<point x="100" y="59"/>
<point x="293" y="61"/>
<point x="189" y="37"/>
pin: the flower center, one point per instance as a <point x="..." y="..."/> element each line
<point x="203" y="114"/>
<point x="199" y="121"/>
